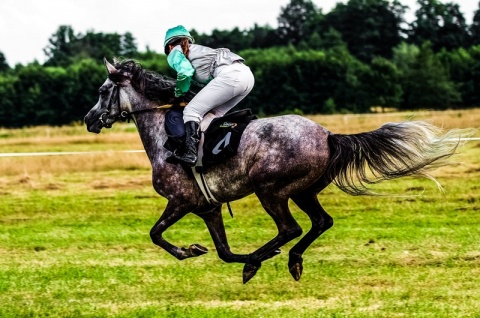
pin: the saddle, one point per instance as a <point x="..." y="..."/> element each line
<point x="220" y="136"/>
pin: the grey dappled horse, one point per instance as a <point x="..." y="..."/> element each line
<point x="279" y="158"/>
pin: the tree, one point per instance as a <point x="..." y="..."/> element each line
<point x="292" y="20"/>
<point x="28" y="95"/>
<point x="309" y="81"/>
<point x="8" y="101"/>
<point x="369" y="27"/>
<point x="425" y="80"/>
<point x="262" y="37"/>
<point x="65" y="47"/>
<point x="328" y="40"/>
<point x="3" y="63"/>
<point x="454" y="31"/>
<point x="237" y="40"/>
<point x="464" y="68"/>
<point x="234" y="40"/>
<point x="381" y="82"/>
<point x="475" y="27"/>
<point x="60" y="48"/>
<point x="84" y="78"/>
<point x="128" y="45"/>
<point x="441" y="24"/>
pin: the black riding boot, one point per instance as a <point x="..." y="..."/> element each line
<point x="192" y="138"/>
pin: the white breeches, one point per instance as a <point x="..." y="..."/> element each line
<point x="231" y="84"/>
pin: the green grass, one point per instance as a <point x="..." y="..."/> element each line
<point x="76" y="244"/>
<point x="70" y="249"/>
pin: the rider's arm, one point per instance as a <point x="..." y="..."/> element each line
<point x="184" y="70"/>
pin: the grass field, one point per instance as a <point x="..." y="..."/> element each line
<point x="74" y="238"/>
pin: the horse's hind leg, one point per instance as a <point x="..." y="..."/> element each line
<point x="214" y="221"/>
<point x="307" y="201"/>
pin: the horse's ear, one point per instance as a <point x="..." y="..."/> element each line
<point x="110" y="68"/>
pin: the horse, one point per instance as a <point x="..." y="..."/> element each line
<point x="279" y="158"/>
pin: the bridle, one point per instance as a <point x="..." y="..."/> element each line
<point x="107" y="118"/>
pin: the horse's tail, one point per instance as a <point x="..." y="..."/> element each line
<point x="395" y="150"/>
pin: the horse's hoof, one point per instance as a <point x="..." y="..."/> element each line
<point x="296" y="267"/>
<point x="296" y="271"/>
<point x="197" y="250"/>
<point x="249" y="270"/>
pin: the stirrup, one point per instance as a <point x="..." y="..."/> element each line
<point x="173" y="158"/>
<point x="176" y="158"/>
<point x="188" y="159"/>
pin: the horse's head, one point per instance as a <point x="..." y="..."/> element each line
<point x="108" y="108"/>
<point x="147" y="86"/>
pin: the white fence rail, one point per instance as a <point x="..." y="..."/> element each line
<point x="66" y="153"/>
<point x="63" y="153"/>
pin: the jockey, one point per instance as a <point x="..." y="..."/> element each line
<point x="226" y="78"/>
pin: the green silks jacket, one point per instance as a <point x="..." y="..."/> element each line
<point x="184" y="70"/>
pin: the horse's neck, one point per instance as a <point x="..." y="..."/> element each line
<point x="151" y="127"/>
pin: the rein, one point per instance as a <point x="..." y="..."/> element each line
<point x="165" y="106"/>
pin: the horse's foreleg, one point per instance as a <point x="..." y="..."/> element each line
<point x="214" y="222"/>
<point x="169" y="217"/>
<point x="321" y="221"/>
<point x="288" y="229"/>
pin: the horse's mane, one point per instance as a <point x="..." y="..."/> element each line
<point x="152" y="85"/>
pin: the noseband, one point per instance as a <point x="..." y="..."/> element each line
<point x="114" y="98"/>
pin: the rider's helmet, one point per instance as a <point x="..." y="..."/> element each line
<point x="176" y="33"/>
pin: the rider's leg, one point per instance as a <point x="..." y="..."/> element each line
<point x="192" y="138"/>
<point x="220" y="95"/>
<point x="245" y="77"/>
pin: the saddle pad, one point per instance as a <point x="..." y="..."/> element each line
<point x="221" y="138"/>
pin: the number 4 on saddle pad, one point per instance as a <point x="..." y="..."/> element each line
<point x="223" y="136"/>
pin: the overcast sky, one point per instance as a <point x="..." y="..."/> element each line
<point x="26" y="25"/>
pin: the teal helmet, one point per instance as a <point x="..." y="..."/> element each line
<point x="176" y="33"/>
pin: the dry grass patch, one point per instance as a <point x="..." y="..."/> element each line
<point x="355" y="123"/>
<point x="109" y="160"/>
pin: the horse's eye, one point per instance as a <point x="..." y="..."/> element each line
<point x="102" y="90"/>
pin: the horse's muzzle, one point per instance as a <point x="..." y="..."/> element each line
<point x="93" y="126"/>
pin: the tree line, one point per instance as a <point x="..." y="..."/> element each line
<point x="360" y="54"/>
